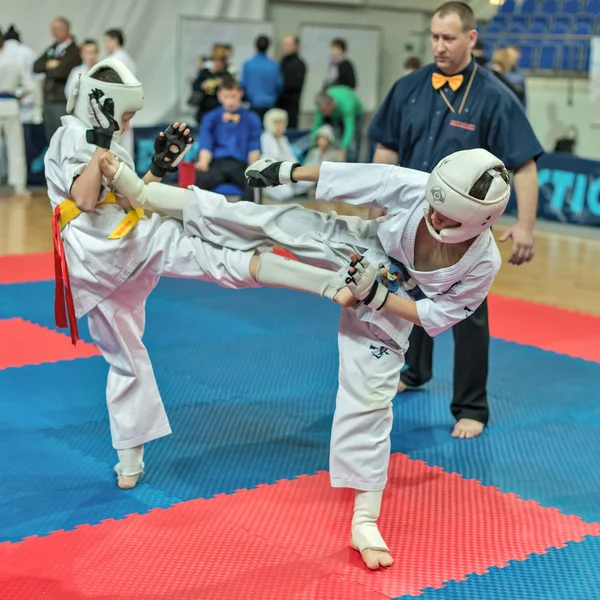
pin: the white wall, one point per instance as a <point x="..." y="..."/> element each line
<point x="553" y="104"/>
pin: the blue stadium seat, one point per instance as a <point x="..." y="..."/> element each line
<point x="571" y="7"/>
<point x="228" y="189"/>
<point x="527" y="56"/>
<point x="571" y="57"/>
<point x="592" y="7"/>
<point x="585" y="20"/>
<point x="541" y="20"/>
<point x="516" y="28"/>
<point x="550" y="7"/>
<point x="495" y="28"/>
<point x="583" y="28"/>
<point x="586" y="57"/>
<point x="508" y="8"/>
<point x="528" y="7"/>
<point x="561" y="25"/>
<point x="538" y="28"/>
<point x="548" y="56"/>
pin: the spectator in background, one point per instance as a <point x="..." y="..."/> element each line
<point x="412" y="63"/>
<point x="500" y="66"/>
<point x="341" y="70"/>
<point x="114" y="42"/>
<point x="514" y="74"/>
<point x="261" y="79"/>
<point x="341" y="107"/>
<point x="15" y="79"/>
<point x="293" y="69"/>
<point x="479" y="53"/>
<point x="89" y="56"/>
<point x="229" y="141"/>
<point x="209" y="78"/>
<point x="114" y="46"/>
<point x="56" y="63"/>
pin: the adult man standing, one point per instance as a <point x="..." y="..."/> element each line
<point x="57" y="62"/>
<point x="261" y="79"/>
<point x="293" y="69"/>
<point x="454" y="104"/>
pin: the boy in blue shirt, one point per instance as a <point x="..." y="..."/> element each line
<point x="229" y="141"/>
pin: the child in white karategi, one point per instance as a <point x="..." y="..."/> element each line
<point x="109" y="257"/>
<point x="440" y="259"/>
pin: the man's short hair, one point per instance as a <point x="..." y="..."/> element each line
<point x="412" y="62"/>
<point x="116" y="34"/>
<point x="64" y="21"/>
<point x="229" y="83"/>
<point x="324" y="98"/>
<point x="89" y="42"/>
<point x="482" y="186"/>
<point x="262" y="43"/>
<point x="464" y="12"/>
<point x="340" y="43"/>
<point x="107" y="74"/>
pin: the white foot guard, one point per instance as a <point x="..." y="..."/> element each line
<point x="130" y="467"/>
<point x="277" y="271"/>
<point x="365" y="535"/>
<point x="158" y="197"/>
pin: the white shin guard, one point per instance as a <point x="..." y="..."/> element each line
<point x="277" y="271"/>
<point x="158" y="197"/>
<point x="365" y="534"/>
<point x="130" y="462"/>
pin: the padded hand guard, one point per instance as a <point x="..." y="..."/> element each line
<point x="101" y="115"/>
<point x="267" y="172"/>
<point x="364" y="284"/>
<point x="166" y="159"/>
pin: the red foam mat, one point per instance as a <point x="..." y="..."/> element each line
<point x="25" y="343"/>
<point x="289" y="540"/>
<point x="27" y="268"/>
<point x="546" y="327"/>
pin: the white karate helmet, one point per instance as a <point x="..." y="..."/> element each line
<point x="127" y="96"/>
<point x="273" y="115"/>
<point x="448" y="188"/>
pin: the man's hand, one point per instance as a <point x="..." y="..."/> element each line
<point x="101" y="115"/>
<point x="267" y="172"/>
<point x="523" y="242"/>
<point x="170" y="147"/>
<point x="52" y="63"/>
<point x="201" y="166"/>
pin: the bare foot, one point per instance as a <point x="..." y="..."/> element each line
<point x="109" y="165"/>
<point x="128" y="482"/>
<point x="467" y="428"/>
<point x="374" y="559"/>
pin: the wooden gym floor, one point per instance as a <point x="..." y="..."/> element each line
<point x="564" y="272"/>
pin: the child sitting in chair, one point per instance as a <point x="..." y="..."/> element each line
<point x="229" y="141"/>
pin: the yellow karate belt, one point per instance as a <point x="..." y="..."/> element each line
<point x="68" y="211"/>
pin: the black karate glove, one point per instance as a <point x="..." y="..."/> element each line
<point x="170" y="147"/>
<point x="101" y="115"/>
<point x="267" y="172"/>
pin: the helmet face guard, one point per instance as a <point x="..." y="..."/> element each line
<point x="447" y="192"/>
<point x="127" y="96"/>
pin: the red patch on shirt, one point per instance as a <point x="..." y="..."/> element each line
<point x="462" y="125"/>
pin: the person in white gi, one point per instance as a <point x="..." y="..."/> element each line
<point x="15" y="83"/>
<point x="114" y="42"/>
<point x="440" y="260"/>
<point x="112" y="256"/>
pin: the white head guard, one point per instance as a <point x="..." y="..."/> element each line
<point x="275" y="114"/>
<point x="127" y="96"/>
<point x="448" y="188"/>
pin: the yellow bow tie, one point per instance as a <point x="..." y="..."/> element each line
<point x="233" y="117"/>
<point x="438" y="80"/>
